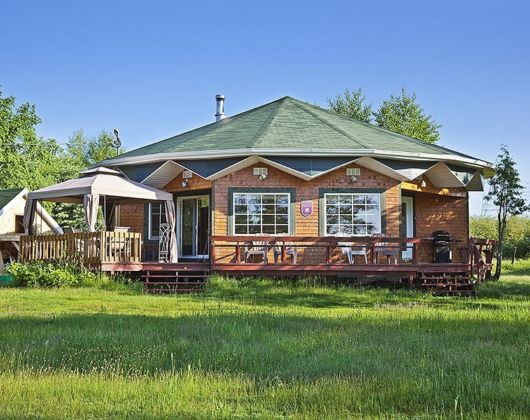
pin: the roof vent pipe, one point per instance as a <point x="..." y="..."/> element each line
<point x="220" y="115"/>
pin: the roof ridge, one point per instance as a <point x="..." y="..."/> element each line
<point x="268" y="121"/>
<point x="301" y="104"/>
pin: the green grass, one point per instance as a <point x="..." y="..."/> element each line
<point x="266" y="349"/>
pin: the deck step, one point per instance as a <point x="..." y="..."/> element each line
<point x="174" y="281"/>
<point x="444" y="284"/>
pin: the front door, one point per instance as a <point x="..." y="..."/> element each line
<point x="407" y="223"/>
<point x="193" y="226"/>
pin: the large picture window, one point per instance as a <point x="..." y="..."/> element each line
<point x="157" y="216"/>
<point x="262" y="213"/>
<point x="356" y="214"/>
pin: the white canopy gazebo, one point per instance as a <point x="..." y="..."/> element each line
<point x="107" y="184"/>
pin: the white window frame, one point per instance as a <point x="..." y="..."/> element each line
<point x="289" y="214"/>
<point x="378" y="195"/>
<point x="150" y="236"/>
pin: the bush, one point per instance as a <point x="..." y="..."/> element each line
<point x="517" y="234"/>
<point x="43" y="274"/>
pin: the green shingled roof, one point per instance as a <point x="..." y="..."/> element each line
<point x="288" y="123"/>
<point x="7" y="195"/>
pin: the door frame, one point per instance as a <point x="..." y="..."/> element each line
<point x="178" y="226"/>
<point x="410" y="222"/>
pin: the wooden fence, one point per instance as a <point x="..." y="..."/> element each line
<point x="88" y="248"/>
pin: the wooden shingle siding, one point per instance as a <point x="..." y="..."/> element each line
<point x="433" y="211"/>
<point x="305" y="191"/>
<point x="439" y="212"/>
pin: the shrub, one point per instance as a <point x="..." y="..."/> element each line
<point x="517" y="233"/>
<point x="44" y="274"/>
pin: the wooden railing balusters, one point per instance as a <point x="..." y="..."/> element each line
<point x="86" y="247"/>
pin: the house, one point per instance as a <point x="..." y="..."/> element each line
<point x="12" y="202"/>
<point x="291" y="181"/>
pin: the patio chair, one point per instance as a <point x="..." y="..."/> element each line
<point x="121" y="246"/>
<point x="386" y="250"/>
<point x="259" y="248"/>
<point x="290" y="250"/>
<point x="351" y="250"/>
<point x="121" y="229"/>
<point x="69" y="229"/>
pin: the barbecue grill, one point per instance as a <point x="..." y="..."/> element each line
<point x="441" y="247"/>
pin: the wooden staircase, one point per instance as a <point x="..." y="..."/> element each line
<point x="447" y="283"/>
<point x="175" y="278"/>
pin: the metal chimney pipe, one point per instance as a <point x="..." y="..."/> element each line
<point x="220" y="115"/>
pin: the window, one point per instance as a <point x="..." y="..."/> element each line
<point x="262" y="213"/>
<point x="19" y="224"/>
<point x="352" y="214"/>
<point x="157" y="216"/>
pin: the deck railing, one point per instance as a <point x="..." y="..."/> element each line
<point x="312" y="250"/>
<point x="88" y="248"/>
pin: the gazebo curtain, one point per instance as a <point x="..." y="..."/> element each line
<point x="172" y="221"/>
<point x="91" y="205"/>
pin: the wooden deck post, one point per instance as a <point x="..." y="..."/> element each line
<point x="415" y="252"/>
<point x="213" y="257"/>
<point x="238" y="253"/>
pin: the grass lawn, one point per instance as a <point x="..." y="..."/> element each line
<point x="266" y="349"/>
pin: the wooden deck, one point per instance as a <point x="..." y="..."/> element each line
<point x="315" y="256"/>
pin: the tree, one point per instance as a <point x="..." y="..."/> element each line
<point x="402" y="114"/>
<point x="26" y="160"/>
<point x="83" y="151"/>
<point x="505" y="192"/>
<point x="352" y="104"/>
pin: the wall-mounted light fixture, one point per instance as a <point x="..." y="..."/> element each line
<point x="261" y="173"/>
<point x="353" y="173"/>
<point x="421" y="182"/>
<point x="186" y="176"/>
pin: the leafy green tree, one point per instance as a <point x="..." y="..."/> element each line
<point x="352" y="104"/>
<point x="506" y="194"/>
<point x="402" y="114"/>
<point x="83" y="151"/>
<point x="26" y="160"/>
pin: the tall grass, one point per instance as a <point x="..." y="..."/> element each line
<point x="265" y="349"/>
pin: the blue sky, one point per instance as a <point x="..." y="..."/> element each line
<point x="152" y="69"/>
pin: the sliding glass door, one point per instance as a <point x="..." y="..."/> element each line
<point x="193" y="226"/>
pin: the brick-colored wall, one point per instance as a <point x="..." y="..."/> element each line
<point x="432" y="211"/>
<point x="132" y="215"/>
<point x="194" y="183"/>
<point x="439" y="212"/>
<point x="305" y="191"/>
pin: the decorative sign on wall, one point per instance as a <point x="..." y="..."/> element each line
<point x="306" y="208"/>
